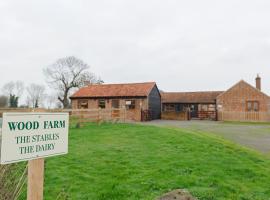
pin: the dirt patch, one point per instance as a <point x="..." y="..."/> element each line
<point x="177" y="195"/>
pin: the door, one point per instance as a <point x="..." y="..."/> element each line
<point x="115" y="108"/>
<point x="193" y="110"/>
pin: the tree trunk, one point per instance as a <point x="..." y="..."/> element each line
<point x="64" y="100"/>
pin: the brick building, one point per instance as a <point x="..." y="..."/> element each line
<point x="243" y="102"/>
<point x="137" y="98"/>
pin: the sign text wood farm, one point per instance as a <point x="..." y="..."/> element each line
<point x="33" y="136"/>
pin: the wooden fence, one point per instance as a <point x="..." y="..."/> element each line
<point x="208" y="115"/>
<point x="244" y="116"/>
<point x="83" y="115"/>
<point x="98" y="115"/>
<point x="172" y="115"/>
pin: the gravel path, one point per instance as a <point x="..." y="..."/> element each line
<point x="253" y="136"/>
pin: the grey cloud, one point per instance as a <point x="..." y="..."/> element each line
<point x="183" y="45"/>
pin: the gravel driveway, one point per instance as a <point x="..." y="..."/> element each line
<point x="256" y="136"/>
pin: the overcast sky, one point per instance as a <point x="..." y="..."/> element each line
<point x="182" y="45"/>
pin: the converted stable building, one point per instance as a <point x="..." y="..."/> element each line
<point x="141" y="100"/>
<point x="200" y="105"/>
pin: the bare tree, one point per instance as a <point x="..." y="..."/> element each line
<point x="35" y="95"/>
<point x="9" y="88"/>
<point x="66" y="74"/>
<point x="13" y="90"/>
<point x="3" y="101"/>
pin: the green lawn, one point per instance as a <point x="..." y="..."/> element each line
<point x="122" y="161"/>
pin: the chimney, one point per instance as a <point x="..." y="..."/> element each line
<point x="258" y="82"/>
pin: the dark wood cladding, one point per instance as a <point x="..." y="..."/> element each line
<point x="154" y="103"/>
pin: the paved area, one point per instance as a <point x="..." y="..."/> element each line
<point x="256" y="136"/>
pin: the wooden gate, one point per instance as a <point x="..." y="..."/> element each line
<point x="146" y="115"/>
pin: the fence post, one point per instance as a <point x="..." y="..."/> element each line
<point x="221" y="115"/>
<point x="99" y="115"/>
<point x="111" y="115"/>
<point x="125" y="114"/>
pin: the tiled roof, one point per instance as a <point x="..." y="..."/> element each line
<point x="189" y="97"/>
<point x="243" y="83"/>
<point x="115" y="90"/>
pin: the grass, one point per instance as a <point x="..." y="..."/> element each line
<point x="124" y="161"/>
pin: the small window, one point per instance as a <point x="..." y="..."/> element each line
<point x="101" y="103"/>
<point x="130" y="104"/>
<point x="256" y="106"/>
<point x="253" y="106"/>
<point x="83" y="104"/>
<point x="169" y="107"/>
<point x="249" y="106"/>
<point x="115" y="103"/>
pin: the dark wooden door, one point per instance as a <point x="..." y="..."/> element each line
<point x="193" y="110"/>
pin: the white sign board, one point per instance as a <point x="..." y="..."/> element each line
<point x="28" y="136"/>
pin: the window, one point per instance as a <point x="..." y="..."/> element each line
<point x="82" y="104"/>
<point x="249" y="106"/>
<point x="101" y="103"/>
<point x="256" y="106"/>
<point x="130" y="104"/>
<point x="169" y="107"/>
<point x="253" y="106"/>
<point x="115" y="103"/>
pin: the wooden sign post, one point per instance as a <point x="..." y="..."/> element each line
<point x="32" y="137"/>
<point x="35" y="179"/>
